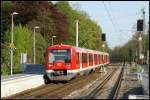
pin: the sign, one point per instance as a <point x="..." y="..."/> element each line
<point x="12" y="46"/>
<point x="23" y="58"/>
<point x="59" y="51"/>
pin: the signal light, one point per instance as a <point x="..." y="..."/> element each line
<point x="50" y="64"/>
<point x="68" y="64"/>
<point x="103" y="37"/>
<point x="140" y="25"/>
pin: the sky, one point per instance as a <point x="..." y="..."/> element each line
<point x="116" y="18"/>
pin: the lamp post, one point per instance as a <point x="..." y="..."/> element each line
<point x="77" y="21"/>
<point x="36" y="27"/>
<point x="12" y="30"/>
<point x="53" y="39"/>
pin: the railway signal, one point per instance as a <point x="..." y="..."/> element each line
<point x="103" y="37"/>
<point x="140" y="25"/>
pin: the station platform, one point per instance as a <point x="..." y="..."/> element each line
<point x="32" y="77"/>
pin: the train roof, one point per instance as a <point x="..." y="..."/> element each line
<point x="79" y="49"/>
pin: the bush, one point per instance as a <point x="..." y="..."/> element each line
<point x="4" y="69"/>
<point x="23" y="40"/>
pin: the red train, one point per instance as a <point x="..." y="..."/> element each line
<point x="64" y="62"/>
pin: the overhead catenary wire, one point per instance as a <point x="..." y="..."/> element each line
<point x="113" y="21"/>
<point x="110" y="17"/>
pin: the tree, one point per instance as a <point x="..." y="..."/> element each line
<point x="45" y="15"/>
<point x="6" y="9"/>
<point x="89" y="31"/>
<point x="23" y="40"/>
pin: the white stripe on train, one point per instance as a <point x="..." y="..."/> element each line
<point x="79" y="70"/>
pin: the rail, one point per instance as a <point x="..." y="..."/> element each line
<point x="118" y="84"/>
<point x="96" y="89"/>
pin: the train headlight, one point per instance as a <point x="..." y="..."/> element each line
<point x="50" y="64"/>
<point x="68" y="64"/>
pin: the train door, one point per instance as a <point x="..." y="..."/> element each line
<point x="88" y="62"/>
<point x="80" y="60"/>
<point x="93" y="59"/>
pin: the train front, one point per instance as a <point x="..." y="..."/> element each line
<point x="58" y="62"/>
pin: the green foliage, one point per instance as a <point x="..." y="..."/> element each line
<point x="133" y="69"/>
<point x="23" y="40"/>
<point x="129" y="52"/>
<point x="6" y="8"/>
<point x="43" y="14"/>
<point x="89" y="31"/>
<point x="53" y="19"/>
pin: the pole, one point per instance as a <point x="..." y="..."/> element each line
<point x="140" y="48"/>
<point x="143" y="21"/>
<point x="34" y="46"/>
<point x="103" y="45"/>
<point x="11" y="56"/>
<point x="77" y="33"/>
<point x="52" y="40"/>
<point x="143" y="48"/>
<point x="140" y="37"/>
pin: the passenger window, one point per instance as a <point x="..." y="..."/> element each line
<point x="84" y="58"/>
<point x="77" y="58"/>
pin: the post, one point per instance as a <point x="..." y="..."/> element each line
<point x="147" y="57"/>
<point x="52" y="40"/>
<point x="103" y="45"/>
<point x="36" y="27"/>
<point x="11" y="56"/>
<point x="140" y="45"/>
<point x="77" y="33"/>
<point x="12" y="40"/>
<point x="34" y="46"/>
<point x="142" y="50"/>
<point x="143" y="12"/>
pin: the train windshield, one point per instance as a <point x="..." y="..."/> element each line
<point x="59" y="55"/>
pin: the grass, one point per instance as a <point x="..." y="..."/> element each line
<point x="133" y="69"/>
<point x="4" y="70"/>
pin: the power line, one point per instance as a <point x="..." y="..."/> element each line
<point x="109" y="15"/>
<point x="113" y="21"/>
<point x="114" y="25"/>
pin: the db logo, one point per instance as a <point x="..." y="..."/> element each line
<point x="59" y="64"/>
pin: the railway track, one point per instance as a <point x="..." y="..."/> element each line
<point x="118" y="84"/>
<point x="99" y="90"/>
<point x="53" y="90"/>
<point x="99" y="87"/>
<point x="60" y="90"/>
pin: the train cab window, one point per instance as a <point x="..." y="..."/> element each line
<point x="59" y="55"/>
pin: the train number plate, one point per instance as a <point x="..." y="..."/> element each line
<point x="59" y="72"/>
<point x="59" y="64"/>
